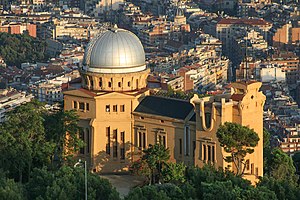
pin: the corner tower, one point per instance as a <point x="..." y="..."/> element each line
<point x="243" y="106"/>
<point x="114" y="77"/>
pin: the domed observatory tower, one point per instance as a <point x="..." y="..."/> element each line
<point x="115" y="61"/>
<point x="114" y="77"/>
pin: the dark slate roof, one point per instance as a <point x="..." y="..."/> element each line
<point x="166" y="107"/>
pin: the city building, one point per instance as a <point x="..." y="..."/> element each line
<point x="119" y="118"/>
<point x="10" y="99"/>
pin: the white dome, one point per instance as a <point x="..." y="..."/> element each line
<point x="115" y="51"/>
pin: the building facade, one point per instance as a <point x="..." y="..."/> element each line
<point x="119" y="118"/>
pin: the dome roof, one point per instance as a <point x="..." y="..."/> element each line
<point x="115" y="51"/>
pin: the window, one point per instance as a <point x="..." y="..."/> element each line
<point x="123" y="137"/>
<point x="75" y="106"/>
<point x="180" y="146"/>
<point x="140" y="139"/>
<point x="194" y="147"/>
<point x="144" y="140"/>
<point x="119" y="84"/>
<point x="107" y="108"/>
<point x="128" y="83"/>
<point x="87" y="106"/>
<point x="209" y="153"/>
<point x="109" y="84"/>
<point x="122" y="153"/>
<point x="256" y="171"/>
<point x="204" y="152"/>
<point x="81" y="106"/>
<point x="88" y="142"/>
<point x="122" y="108"/>
<point x="100" y="82"/>
<point x="115" y="150"/>
<point x="115" y="108"/>
<point x="108" y="140"/>
<point x="81" y="136"/>
<point x="252" y="168"/>
<point x="187" y="140"/>
<point x="248" y="165"/>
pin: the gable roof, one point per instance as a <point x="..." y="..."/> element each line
<point x="173" y="108"/>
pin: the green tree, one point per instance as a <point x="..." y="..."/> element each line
<point x="156" y="157"/>
<point x="296" y="159"/>
<point x="284" y="189"/>
<point x="238" y="141"/>
<point x="174" y="172"/>
<point x="9" y="189"/>
<point x="22" y="141"/>
<point x="65" y="134"/>
<point x="267" y="148"/>
<point x="16" y="49"/>
<point x="68" y="183"/>
<point x="280" y="166"/>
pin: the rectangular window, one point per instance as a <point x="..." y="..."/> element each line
<point x="75" y="106"/>
<point x="213" y="153"/>
<point x="144" y="140"/>
<point x="115" y="153"/>
<point x="107" y="108"/>
<point x="187" y="140"/>
<point x="135" y="138"/>
<point x="81" y="136"/>
<point x="252" y="168"/>
<point x="194" y="147"/>
<point x="256" y="171"/>
<point x="208" y="152"/>
<point x="81" y="106"/>
<point x="164" y="141"/>
<point x="108" y="140"/>
<point x="204" y="151"/>
<point x="180" y="146"/>
<point x="122" y="108"/>
<point x="115" y="135"/>
<point x="140" y="139"/>
<point x="115" y="108"/>
<point x="123" y="137"/>
<point x="87" y="106"/>
<point x="248" y="165"/>
<point x="122" y="153"/>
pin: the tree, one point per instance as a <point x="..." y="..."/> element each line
<point x="68" y="183"/>
<point x="9" y="189"/>
<point x="64" y="134"/>
<point x="284" y="189"/>
<point x="296" y="159"/>
<point x="22" y="141"/>
<point x="17" y="49"/>
<point x="156" y="156"/>
<point x="174" y="172"/>
<point x="238" y="141"/>
<point x="267" y="148"/>
<point x="280" y="166"/>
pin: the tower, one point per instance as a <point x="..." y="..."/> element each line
<point x="243" y="106"/>
<point x="114" y="77"/>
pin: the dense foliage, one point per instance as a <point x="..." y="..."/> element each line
<point x="34" y="163"/>
<point x="19" y="48"/>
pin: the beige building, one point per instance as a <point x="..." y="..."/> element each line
<point x="119" y="118"/>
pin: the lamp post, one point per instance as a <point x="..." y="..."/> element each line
<point x="85" y="175"/>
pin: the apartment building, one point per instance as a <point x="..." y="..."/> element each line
<point x="10" y="99"/>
